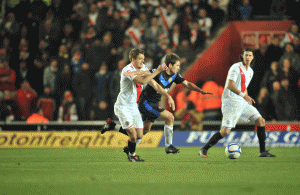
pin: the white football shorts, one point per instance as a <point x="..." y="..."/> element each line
<point x="129" y="116"/>
<point x="238" y="112"/>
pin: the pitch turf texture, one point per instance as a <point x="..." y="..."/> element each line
<point x="107" y="171"/>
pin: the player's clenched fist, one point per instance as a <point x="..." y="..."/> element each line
<point x="162" y="67"/>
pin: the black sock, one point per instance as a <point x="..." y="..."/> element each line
<point x="131" y="147"/>
<point x="213" y="140"/>
<point x="261" y="134"/>
<point x="121" y="130"/>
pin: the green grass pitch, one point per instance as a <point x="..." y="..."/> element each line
<point x="107" y="171"/>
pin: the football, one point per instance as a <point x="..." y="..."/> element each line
<point x="233" y="151"/>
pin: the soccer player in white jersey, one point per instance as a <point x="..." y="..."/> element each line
<point x="237" y="104"/>
<point x="126" y="106"/>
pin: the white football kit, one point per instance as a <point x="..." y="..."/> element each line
<point x="126" y="107"/>
<point x="234" y="107"/>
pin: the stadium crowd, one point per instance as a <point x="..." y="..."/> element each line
<point x="64" y="60"/>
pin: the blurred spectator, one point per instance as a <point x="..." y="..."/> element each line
<point x="186" y="54"/>
<point x="92" y="52"/>
<point x="185" y="20"/>
<point x="50" y="75"/>
<point x="152" y="35"/>
<point x="37" y="117"/>
<point x="216" y="14"/>
<point x="47" y="103"/>
<point x="117" y="26"/>
<point x="22" y="74"/>
<point x="44" y="46"/>
<point x="150" y="10"/>
<point x="83" y="90"/>
<point x="101" y="89"/>
<point x="195" y="5"/>
<point x="144" y="4"/>
<point x="286" y="105"/>
<point x="50" y="32"/>
<point x="274" y="97"/>
<point x="7" y="77"/>
<point x="222" y="4"/>
<point x="160" y="51"/>
<point x="259" y="67"/>
<point x="5" y="49"/>
<point x="274" y="51"/>
<point x="126" y="11"/>
<point x="292" y="56"/>
<point x="167" y="16"/>
<point x="197" y="37"/>
<point x="135" y="32"/>
<point x="108" y="50"/>
<point x="287" y="71"/>
<point x="123" y="51"/>
<point x="7" y="107"/>
<point x="176" y="37"/>
<point x="41" y="61"/>
<point x="212" y="103"/>
<point x="76" y="62"/>
<point x="63" y="81"/>
<point x="89" y="38"/>
<point x="107" y="7"/>
<point x="95" y="19"/>
<point x="80" y="9"/>
<point x="63" y="56"/>
<point x="264" y="105"/>
<point x="114" y="84"/>
<point x="100" y="111"/>
<point x="246" y="10"/>
<point x="270" y="76"/>
<point x="25" y="99"/>
<point x="205" y="22"/>
<point x="67" y="110"/>
<point x="68" y="37"/>
<point x="143" y="20"/>
<point x="297" y="45"/>
<point x="11" y="26"/>
<point x="148" y="62"/>
<point x="291" y="34"/>
<point x="279" y="8"/>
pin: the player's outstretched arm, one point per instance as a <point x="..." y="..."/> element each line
<point x="161" y="90"/>
<point x="145" y="79"/>
<point x="235" y="90"/>
<point x="141" y="73"/>
<point x="194" y="87"/>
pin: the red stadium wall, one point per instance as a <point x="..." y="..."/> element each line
<point x="225" y="50"/>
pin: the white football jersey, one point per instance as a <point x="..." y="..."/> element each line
<point x="241" y="77"/>
<point x="129" y="90"/>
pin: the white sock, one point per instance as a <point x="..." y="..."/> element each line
<point x="168" y="132"/>
<point x="138" y="141"/>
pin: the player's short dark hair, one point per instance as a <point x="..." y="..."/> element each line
<point x="135" y="52"/>
<point x="247" y="49"/>
<point x="171" y="59"/>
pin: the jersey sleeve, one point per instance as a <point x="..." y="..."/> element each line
<point x="233" y="73"/>
<point x="128" y="69"/>
<point x="179" y="79"/>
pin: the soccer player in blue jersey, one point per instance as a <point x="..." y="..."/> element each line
<point x="148" y="103"/>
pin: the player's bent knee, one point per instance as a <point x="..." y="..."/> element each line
<point x="225" y="131"/>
